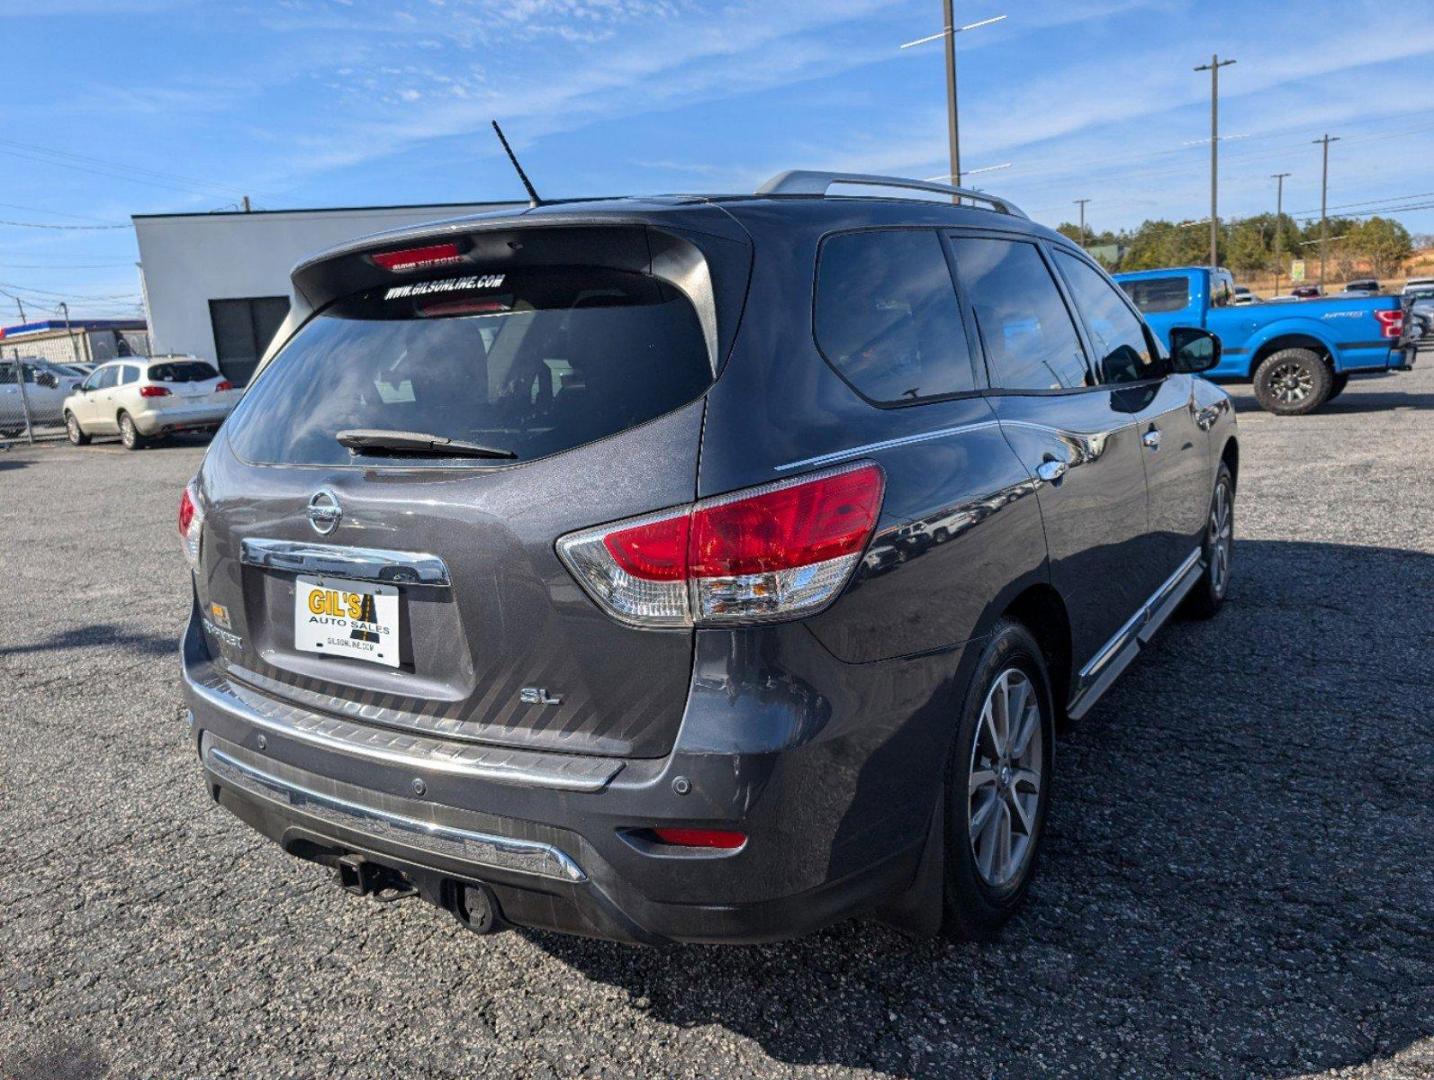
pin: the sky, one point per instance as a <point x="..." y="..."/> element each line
<point x="116" y="107"/>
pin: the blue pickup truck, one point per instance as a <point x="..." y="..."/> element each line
<point x="1299" y="354"/>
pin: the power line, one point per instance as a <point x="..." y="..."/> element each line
<point x="1371" y="202"/>
<point x="69" y="295"/>
<point x="68" y="228"/>
<point x="67" y="266"/>
<point x="57" y="213"/>
<point x="135" y="173"/>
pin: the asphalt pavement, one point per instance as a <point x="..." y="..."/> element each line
<point x="1238" y="879"/>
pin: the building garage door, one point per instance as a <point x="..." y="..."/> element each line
<point x="242" y="331"/>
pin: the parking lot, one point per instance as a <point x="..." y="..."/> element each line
<point x="1239" y="879"/>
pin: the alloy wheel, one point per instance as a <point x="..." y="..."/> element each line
<point x="1222" y="532"/>
<point x="1005" y="779"/>
<point x="1291" y="383"/>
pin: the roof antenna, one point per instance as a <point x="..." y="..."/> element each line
<point x="533" y="199"/>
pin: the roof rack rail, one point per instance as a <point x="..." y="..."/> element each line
<point x="809" y="182"/>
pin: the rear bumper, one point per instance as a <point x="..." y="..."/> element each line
<point x="180" y="417"/>
<point x="534" y="882"/>
<point x="836" y="817"/>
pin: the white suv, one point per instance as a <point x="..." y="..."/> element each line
<point x="140" y="398"/>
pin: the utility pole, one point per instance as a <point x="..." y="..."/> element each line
<point x="949" y="33"/>
<point x="953" y="134"/>
<point x="1081" y="203"/>
<point x="247" y="208"/>
<point x="1324" y="203"/>
<point x="74" y="345"/>
<point x="1213" y="67"/>
<point x="1279" y="179"/>
<point x="21" y="307"/>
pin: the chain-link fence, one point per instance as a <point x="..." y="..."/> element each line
<point x="32" y="397"/>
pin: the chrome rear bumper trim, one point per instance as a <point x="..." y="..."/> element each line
<point x="480" y="849"/>
<point x="350" y="563"/>
<point x="500" y="765"/>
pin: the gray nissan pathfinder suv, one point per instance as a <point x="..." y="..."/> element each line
<point x="694" y="568"/>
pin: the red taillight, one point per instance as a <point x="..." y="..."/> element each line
<point x="656" y="551"/>
<point x="186" y="513"/>
<point x="1391" y="321"/>
<point x="789" y="526"/>
<point x="701" y="838"/>
<point x="191" y="523"/>
<point x="773" y="552"/>
<point x="462" y="307"/>
<point x="224" y="384"/>
<point x="419" y="258"/>
<point x="153" y="391"/>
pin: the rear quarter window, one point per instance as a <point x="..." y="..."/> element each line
<point x="180" y="371"/>
<point x="886" y="316"/>
<point x="1154" y="295"/>
<point x="533" y="361"/>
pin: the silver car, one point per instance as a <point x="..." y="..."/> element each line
<point x="141" y="398"/>
<point x="41" y="398"/>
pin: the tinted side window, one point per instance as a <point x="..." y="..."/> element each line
<point x="887" y="317"/>
<point x="1154" y="295"/>
<point x="1121" y="349"/>
<point x="1030" y="340"/>
<point x="108" y="377"/>
<point x="131" y="375"/>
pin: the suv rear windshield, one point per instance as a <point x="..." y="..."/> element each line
<point x="182" y="371"/>
<point x="1158" y="294"/>
<point x="534" y="361"/>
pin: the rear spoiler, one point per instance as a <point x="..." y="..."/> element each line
<point x="709" y="264"/>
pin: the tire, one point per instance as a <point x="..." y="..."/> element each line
<point x="130" y="438"/>
<point x="74" y="431"/>
<point x="1217" y="550"/>
<point x="1292" y="382"/>
<point x="1336" y="387"/>
<point x="980" y="892"/>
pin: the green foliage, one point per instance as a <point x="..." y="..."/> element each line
<point x="1385" y="243"/>
<point x="1166" y="243"/>
<point x="1248" y="246"/>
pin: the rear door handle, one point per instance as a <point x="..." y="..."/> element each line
<point x="1051" y="470"/>
<point x="1152" y="438"/>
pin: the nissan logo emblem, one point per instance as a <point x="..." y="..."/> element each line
<point x="324" y="512"/>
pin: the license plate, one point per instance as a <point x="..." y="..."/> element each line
<point x="346" y="618"/>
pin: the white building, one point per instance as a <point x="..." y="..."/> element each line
<point x="216" y="285"/>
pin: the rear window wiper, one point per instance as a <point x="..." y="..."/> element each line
<point x="419" y="443"/>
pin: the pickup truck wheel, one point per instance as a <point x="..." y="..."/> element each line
<point x="1292" y="382"/>
<point x="1336" y="386"/>
<point x="997" y="785"/>
<point x="1217" y="550"/>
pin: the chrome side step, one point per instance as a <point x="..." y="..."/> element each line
<point x="1116" y="654"/>
<point x="478" y="848"/>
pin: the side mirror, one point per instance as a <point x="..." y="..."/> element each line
<point x="1193" y="350"/>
